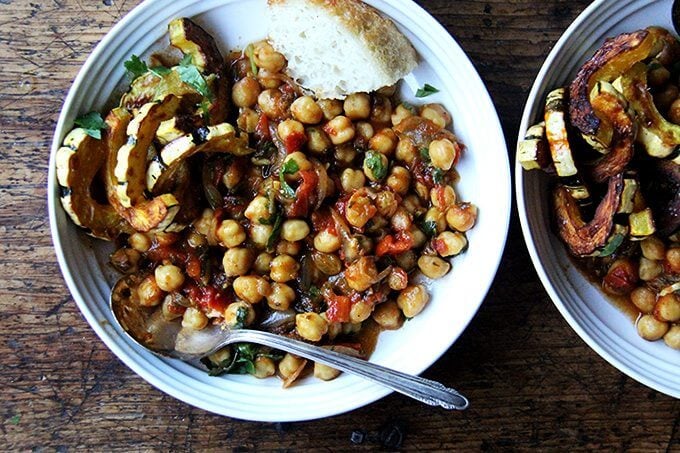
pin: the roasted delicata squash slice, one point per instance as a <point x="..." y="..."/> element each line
<point x="153" y="88"/>
<point x="131" y="159"/>
<point x="615" y="57"/>
<point x="221" y="138"/>
<point x="660" y="137"/>
<point x="193" y="40"/>
<point x="79" y="161"/>
<point x="533" y="152"/>
<point x="587" y="238"/>
<point x="117" y="122"/>
<point x="608" y="103"/>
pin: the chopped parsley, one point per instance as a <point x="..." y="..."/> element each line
<point x="241" y="318"/>
<point x="426" y="90"/>
<point x="92" y="123"/>
<point x="374" y="162"/>
<point x="425" y="155"/>
<point x="429" y="227"/>
<point x="437" y="175"/>
<point x="160" y="71"/>
<point x="135" y="67"/>
<point x="189" y="74"/>
<point x="289" y="167"/>
<point x="276" y="232"/>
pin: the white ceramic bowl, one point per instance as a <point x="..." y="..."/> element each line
<point x="606" y="329"/>
<point x="485" y="181"/>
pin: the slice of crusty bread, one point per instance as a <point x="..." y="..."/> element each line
<point x="338" y="47"/>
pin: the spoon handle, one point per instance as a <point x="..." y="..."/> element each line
<point x="429" y="392"/>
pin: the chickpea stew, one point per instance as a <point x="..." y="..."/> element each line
<point x="612" y="141"/>
<point x="237" y="198"/>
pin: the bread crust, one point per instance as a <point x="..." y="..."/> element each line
<point x="392" y="51"/>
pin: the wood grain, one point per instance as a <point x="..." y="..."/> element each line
<point x="532" y="381"/>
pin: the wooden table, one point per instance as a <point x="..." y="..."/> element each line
<point x="532" y="382"/>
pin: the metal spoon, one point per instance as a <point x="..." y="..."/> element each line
<point x="151" y="330"/>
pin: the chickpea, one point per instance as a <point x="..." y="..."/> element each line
<point x="406" y="260"/>
<point x="643" y="298"/>
<point x="400" y="114"/>
<point x="289" y="365"/>
<point x="422" y="191"/>
<point x="345" y="154"/>
<point x="283" y="268"/>
<point x="657" y="75"/>
<point x="418" y="238"/>
<point x="264" y="367"/>
<point x="207" y="226"/>
<point x="140" y="242"/>
<point x="386" y="202"/>
<point x="442" y="153"/>
<point x="413" y="205"/>
<point x="149" y="293"/>
<point x="653" y="248"/>
<point x="360" y="311"/>
<point x="664" y="98"/>
<point x="196" y="240"/>
<point x="330" y="108"/>
<point x="244" y="93"/>
<point x="273" y="104"/>
<point x="306" y="110"/>
<point x="334" y="328"/>
<point x="294" y="230"/>
<point x="222" y="356"/>
<point x="247" y="120"/>
<point x="648" y="269"/>
<point x="327" y="242"/>
<point x="262" y="262"/>
<point x="375" y="166"/>
<point x="448" y="243"/>
<point x="674" y="112"/>
<point x="280" y="296"/>
<point x="461" y="216"/>
<point x="230" y="233"/>
<point x="291" y="131"/>
<point x="412" y="300"/>
<point x="237" y="261"/>
<point x="668" y="308"/>
<point x="437" y="114"/>
<point x="357" y="106"/>
<point x="406" y="151"/>
<point x="260" y="234"/>
<point x="433" y="266"/>
<point x="240" y="314"/>
<point x="267" y="58"/>
<point x="251" y="289"/>
<point x="317" y="140"/>
<point x="352" y="179"/>
<point x="165" y="239"/>
<point x="673" y="259"/>
<point x="437" y="217"/>
<point x="324" y="372"/>
<point x="399" y="180"/>
<point x="385" y="141"/>
<point x="388" y="315"/>
<point x="650" y="328"/>
<point x="258" y="209"/>
<point x="170" y="310"/>
<point x="361" y="274"/>
<point x="442" y="197"/>
<point x="365" y="130"/>
<point x="169" y="277"/>
<point x="311" y="326"/>
<point x="381" y="111"/>
<point x="340" y="130"/>
<point x="621" y="278"/>
<point x="672" y="337"/>
<point x="288" y="248"/>
<point x="360" y="209"/>
<point x="232" y="176"/>
<point x="194" y="318"/>
<point x="300" y="159"/>
<point x="398" y="279"/>
<point x="268" y="80"/>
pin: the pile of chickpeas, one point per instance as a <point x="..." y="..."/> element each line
<point x="383" y="211"/>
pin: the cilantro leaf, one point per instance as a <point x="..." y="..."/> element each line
<point x="425" y="155"/>
<point x="374" y="162"/>
<point x="276" y="232"/>
<point x="437" y="175"/>
<point x="160" y="71"/>
<point x="189" y="74"/>
<point x="241" y="317"/>
<point x="426" y="90"/>
<point x="135" y="66"/>
<point x="92" y="123"/>
<point x="429" y="227"/>
<point x="409" y="107"/>
<point x="249" y="54"/>
<point x="204" y="107"/>
<point x="289" y="167"/>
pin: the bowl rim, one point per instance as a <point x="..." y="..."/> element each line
<point x="122" y="349"/>
<point x="536" y="90"/>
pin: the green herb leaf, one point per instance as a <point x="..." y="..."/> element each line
<point x="204" y="107"/>
<point x="289" y="167"/>
<point x="426" y="90"/>
<point x="135" y="66"/>
<point x="189" y="74"/>
<point x="409" y="107"/>
<point x="425" y="155"/>
<point x="160" y="71"/>
<point x="249" y="54"/>
<point x="374" y="162"/>
<point x="92" y="123"/>
<point x="241" y="317"/>
<point x="15" y="419"/>
<point x="276" y="232"/>
<point x="429" y="227"/>
<point x="437" y="175"/>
